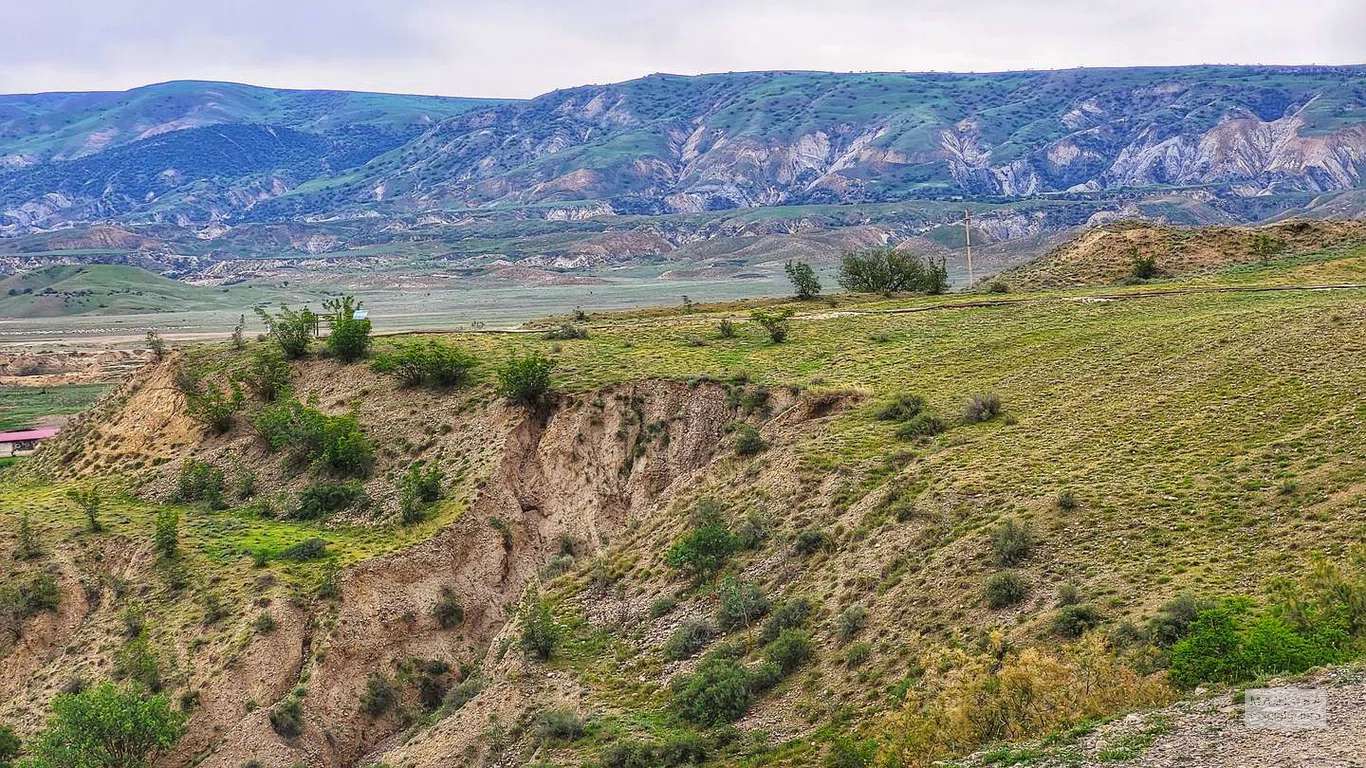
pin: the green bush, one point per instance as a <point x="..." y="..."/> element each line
<point x="567" y="332"/>
<point x="106" y="726"/>
<point x="308" y="549"/>
<point x="1226" y="644"/>
<point x="292" y="331"/>
<point x="890" y="270"/>
<point x="461" y="693"/>
<point x="858" y="654"/>
<point x="540" y="632"/>
<point x="902" y="407"/>
<point x="809" y="541"/>
<point x="336" y="442"/>
<point x="663" y="606"/>
<point x="200" y="481"/>
<point x="1003" y="589"/>
<point x="847" y="752"/>
<point x="1012" y="541"/>
<point x="775" y="324"/>
<point x="559" y="725"/>
<point x="791" y="613"/>
<point x="448" y="611"/>
<point x="789" y="650"/>
<point x="805" y="284"/>
<point x="726" y="328"/>
<point x="740" y="605"/>
<point x="214" y="407"/>
<point x="378" y="697"/>
<point x="1073" y="621"/>
<point x="267" y="376"/>
<point x="676" y="751"/>
<point x="850" y="622"/>
<point x="429" y="362"/>
<point x="348" y="339"/>
<point x="166" y="533"/>
<point x="705" y="549"/>
<point x="322" y="498"/>
<point x="920" y="426"/>
<point x="287" y="717"/>
<point x="9" y="746"/>
<point x="718" y="691"/>
<point x="1144" y="267"/>
<point x="982" y="407"/>
<point x="1174" y="619"/>
<point x="748" y="442"/>
<point x="689" y="638"/>
<point x="525" y="378"/>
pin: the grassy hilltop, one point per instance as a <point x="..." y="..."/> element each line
<point x="917" y="527"/>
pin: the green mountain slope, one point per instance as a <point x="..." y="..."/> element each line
<point x="98" y="289"/>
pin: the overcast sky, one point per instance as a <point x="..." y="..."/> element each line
<point x="527" y="47"/>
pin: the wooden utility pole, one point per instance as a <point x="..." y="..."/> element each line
<point x="967" y="231"/>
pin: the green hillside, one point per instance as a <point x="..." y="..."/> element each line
<point x="106" y="289"/>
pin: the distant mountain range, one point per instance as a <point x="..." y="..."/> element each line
<point x="1225" y="143"/>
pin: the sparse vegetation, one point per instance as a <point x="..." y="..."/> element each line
<point x="775" y="324"/>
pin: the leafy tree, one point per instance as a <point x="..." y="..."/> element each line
<point x="891" y="270"/>
<point x="1144" y="267"/>
<point x="107" y="726"/>
<point x="703" y="551"/>
<point x="349" y="338"/>
<point x="90" y="501"/>
<point x="540" y="632"/>
<point x="158" y="347"/>
<point x="214" y="407"/>
<point x="430" y="362"/>
<point x="803" y="279"/>
<point x="166" y="535"/>
<point x="291" y="330"/>
<point x="774" y="323"/>
<point x="28" y="546"/>
<point x="268" y="374"/>
<point x="1264" y="246"/>
<point x="525" y="378"/>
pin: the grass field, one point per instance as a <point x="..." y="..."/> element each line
<point x="25" y="407"/>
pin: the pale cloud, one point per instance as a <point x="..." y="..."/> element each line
<point x="527" y="47"/>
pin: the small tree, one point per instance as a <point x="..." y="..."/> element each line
<point x="891" y="270"/>
<point x="775" y="323"/>
<point x="157" y="346"/>
<point x="803" y="279"/>
<point x="540" y="633"/>
<point x="239" y="339"/>
<point x="726" y="328"/>
<point x="525" y="378"/>
<point x="268" y="375"/>
<point x="166" y="535"/>
<point x="89" y="500"/>
<point x="27" y="547"/>
<point x="107" y="726"/>
<point x="349" y="338"/>
<point x="292" y="331"/>
<point x="1144" y="266"/>
<point x="1265" y="246"/>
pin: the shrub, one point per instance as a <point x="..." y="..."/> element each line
<point x="741" y="604"/>
<point x="287" y="717"/>
<point x="166" y="534"/>
<point x="158" y="347"/>
<point x="1012" y="541"/>
<point x="336" y="442"/>
<point x="566" y="332"/>
<point x="559" y="725"/>
<point x="850" y="622"/>
<point x="349" y="338"/>
<point x="1068" y="594"/>
<point x="378" y="697"/>
<point x="748" y="442"/>
<point x="717" y="692"/>
<point x="808" y="541"/>
<point x="998" y="286"/>
<point x="267" y="376"/>
<point x="461" y="693"/>
<point x="430" y="362"/>
<point x="663" y="606"/>
<point x="982" y="407"/>
<point x="923" y="425"/>
<point x="137" y="662"/>
<point x="308" y="549"/>
<point x="200" y="481"/>
<point x="27" y="546"/>
<point x="726" y="328"/>
<point x="858" y="654"/>
<point x="803" y="278"/>
<point x="264" y="623"/>
<point x="846" y="752"/>
<point x="1067" y="500"/>
<point x="321" y="499"/>
<point x="420" y="486"/>
<point x="790" y="614"/>
<point x="889" y="270"/>
<point x="448" y="612"/>
<point x="703" y="551"/>
<point x="9" y="746"/>
<point x="1174" y="619"/>
<point x="690" y="637"/>
<point x="902" y="407"/>
<point x="1144" y="267"/>
<point x="214" y="407"/>
<point x="90" y="500"/>
<point x="540" y="633"/>
<point x="789" y="650"/>
<point x="106" y="726"/>
<point x="775" y="324"/>
<point x="525" y="378"/>
<point x="292" y="331"/>
<point x="1003" y="589"/>
<point x="1074" y="620"/>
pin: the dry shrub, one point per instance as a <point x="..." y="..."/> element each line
<point x="993" y="695"/>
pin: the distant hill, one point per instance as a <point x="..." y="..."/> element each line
<point x="60" y="291"/>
